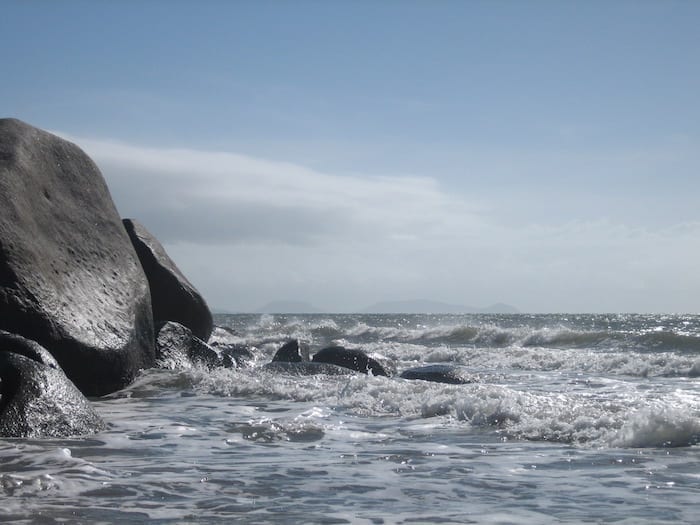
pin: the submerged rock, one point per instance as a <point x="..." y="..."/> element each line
<point x="69" y="276"/>
<point x="352" y="359"/>
<point x="173" y="297"/>
<point x="36" y="398"/>
<point x="450" y="374"/>
<point x="308" y="368"/>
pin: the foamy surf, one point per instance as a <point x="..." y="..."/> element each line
<point x="569" y="419"/>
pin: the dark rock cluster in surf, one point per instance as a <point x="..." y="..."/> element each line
<point x="178" y="348"/>
<point x="336" y="360"/>
<point x="87" y="300"/>
<point x="293" y="358"/>
<point x="73" y="289"/>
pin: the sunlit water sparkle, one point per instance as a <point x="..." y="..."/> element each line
<point x="572" y="419"/>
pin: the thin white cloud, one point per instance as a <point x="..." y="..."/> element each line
<point x="205" y="197"/>
<point x="249" y="230"/>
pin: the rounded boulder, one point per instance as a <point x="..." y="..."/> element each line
<point x="69" y="276"/>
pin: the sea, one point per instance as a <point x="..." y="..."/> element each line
<point x="567" y="419"/>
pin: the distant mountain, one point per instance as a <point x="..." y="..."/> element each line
<point x="422" y="306"/>
<point x="288" y="307"/>
<point x="499" y="308"/>
<point x="225" y="311"/>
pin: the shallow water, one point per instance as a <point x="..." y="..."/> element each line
<point x="572" y="419"/>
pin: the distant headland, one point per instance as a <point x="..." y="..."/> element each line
<point x="414" y="306"/>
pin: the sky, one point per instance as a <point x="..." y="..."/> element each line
<point x="543" y="154"/>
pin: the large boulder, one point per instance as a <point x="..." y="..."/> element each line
<point x="173" y="297"/>
<point x="69" y="276"/>
<point x="36" y="398"/>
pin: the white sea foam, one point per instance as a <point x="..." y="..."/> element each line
<point x="660" y="426"/>
<point x="562" y="426"/>
<point x="592" y="415"/>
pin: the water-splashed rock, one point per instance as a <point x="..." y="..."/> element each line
<point x="352" y="359"/>
<point x="450" y="374"/>
<point x="178" y="348"/>
<point x="292" y="352"/>
<point x="36" y="398"/>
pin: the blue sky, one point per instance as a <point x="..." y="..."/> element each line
<point x="543" y="154"/>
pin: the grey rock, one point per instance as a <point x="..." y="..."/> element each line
<point x="69" y="276"/>
<point x="292" y="352"/>
<point x="37" y="400"/>
<point x="173" y="297"/>
<point x="178" y="348"/>
<point x="352" y="359"/>
<point x="450" y="374"/>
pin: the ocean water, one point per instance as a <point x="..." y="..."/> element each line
<point x="570" y="419"/>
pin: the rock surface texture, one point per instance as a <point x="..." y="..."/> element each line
<point x="69" y="276"/>
<point x="178" y="348"/>
<point x="173" y="297"/>
<point x="36" y="398"/>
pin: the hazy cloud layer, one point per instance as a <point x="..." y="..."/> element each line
<point x="212" y="197"/>
<point x="248" y="231"/>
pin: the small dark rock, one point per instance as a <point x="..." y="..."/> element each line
<point x="292" y="352"/>
<point x="352" y="359"/>
<point x="179" y="348"/>
<point x="449" y="374"/>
